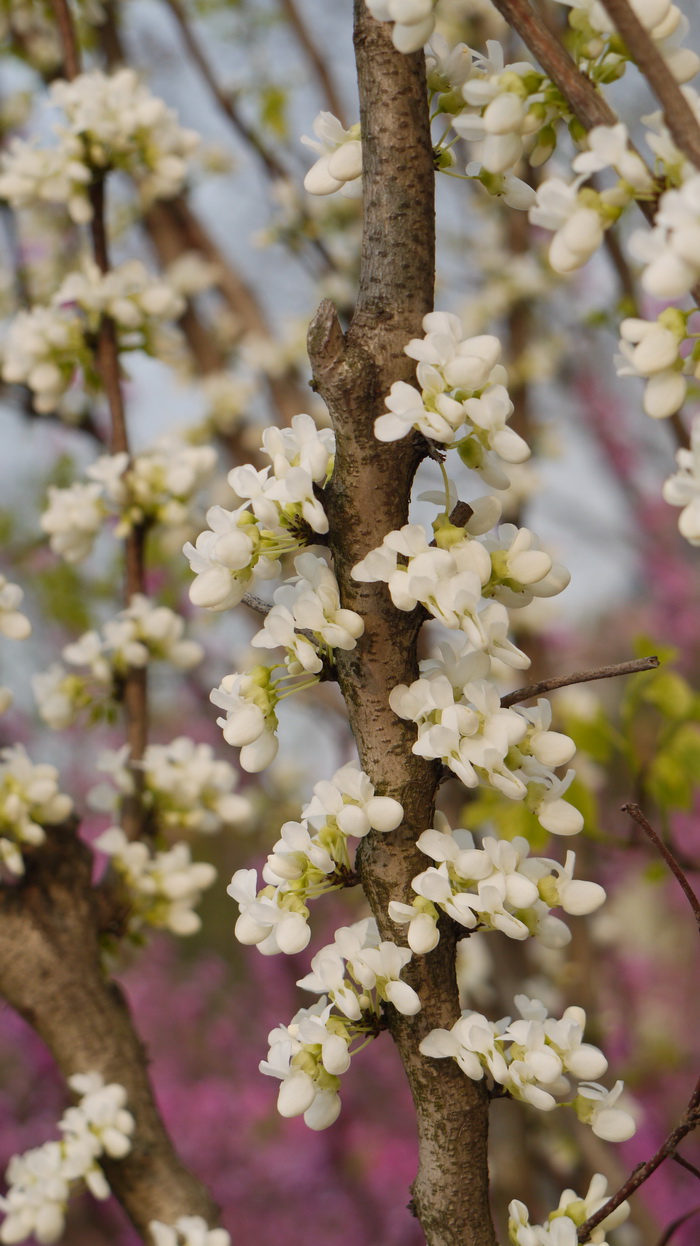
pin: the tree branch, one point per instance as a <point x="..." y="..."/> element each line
<point x="367" y="497"/>
<point x="317" y="62"/>
<point x="580" y="677"/>
<point x="51" y="974"/>
<point x="584" y="99"/>
<point x="636" y="814"/>
<point x="679" y="116"/>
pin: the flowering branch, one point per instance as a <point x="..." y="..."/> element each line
<point x="680" y="117"/>
<point x="636" y="814"/>
<point x="587" y="104"/>
<point x="580" y="677"/>
<point x="689" y="1121"/>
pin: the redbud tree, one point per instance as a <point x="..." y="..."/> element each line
<point x="411" y="619"/>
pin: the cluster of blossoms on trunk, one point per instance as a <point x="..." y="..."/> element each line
<point x="466" y="578"/>
<point x="41" y="1181"/>
<point x="530" y="1058"/>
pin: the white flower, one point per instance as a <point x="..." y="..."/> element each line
<point x="73" y="519"/>
<point x="13" y="623"/>
<point x="29" y="799"/>
<point x="187" y="1231"/>
<point x="340" y="151"/>
<point x="651" y="349"/>
<point x="414" y="21"/>
<point x="163" y="887"/>
<point x="608" y="146"/>
<point x="595" y="1106"/>
<point x="250" y="724"/>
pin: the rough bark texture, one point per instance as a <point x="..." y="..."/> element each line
<point x="369" y="497"/>
<point x="50" y="972"/>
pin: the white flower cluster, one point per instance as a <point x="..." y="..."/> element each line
<point x="562" y="1225"/>
<point x="184" y="787"/>
<point x="510" y="109"/>
<point x="112" y="122"/>
<point x="683" y="488"/>
<point x="339" y="166"/>
<point x="512" y="751"/>
<point x="155" y="486"/>
<point x="13" y="623"/>
<point x="276" y="515"/>
<point x="311" y="1052"/>
<point x="662" y="20"/>
<point x="187" y="1231"/>
<point x="357" y="963"/>
<point x="164" y="886"/>
<point x="530" y="1057"/>
<point x="414" y="21"/>
<point x="453" y="576"/>
<point x="29" y="800"/>
<point x="46" y="345"/>
<point x="138" y="635"/>
<point x="651" y="349"/>
<point x="463" y="401"/>
<point x="310" y="601"/>
<point x="310" y="858"/>
<point x="496" y="885"/>
<point x="40" y="1181"/>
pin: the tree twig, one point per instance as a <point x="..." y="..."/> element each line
<point x="580" y="677"/>
<point x="676" y="1224"/>
<point x="135" y="685"/>
<point x="636" y="814"/>
<point x="318" y="62"/>
<point x="684" y="1163"/>
<point x="679" y="116"/>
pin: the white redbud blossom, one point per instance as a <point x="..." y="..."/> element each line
<point x="29" y="800"/>
<point x="577" y="224"/>
<point x="302" y="445"/>
<point x="73" y="519"/>
<point x="41" y="1180"/>
<point x="357" y="964"/>
<point x="529" y="1057"/>
<point x="163" y="887"/>
<point x="307" y="1056"/>
<point x="187" y="788"/>
<point x="309" y="602"/>
<point x="609" y="147"/>
<point x="651" y="349"/>
<point x="671" y="251"/>
<point x="595" y="1106"/>
<point x="349" y="799"/>
<point x="414" y="21"/>
<point x="273" y="919"/>
<point x="249" y="700"/>
<point x="340" y="152"/>
<point x="683" y="488"/>
<point x="13" y="623"/>
<point x="187" y="1231"/>
<point x="562" y="1224"/>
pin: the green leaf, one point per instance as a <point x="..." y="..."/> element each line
<point x="670" y="693"/>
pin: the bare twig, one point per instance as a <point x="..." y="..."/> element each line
<point x="134" y="687"/>
<point x="580" y="677"/>
<point x="636" y="814"/>
<point x="679" y="116"/>
<point x="256" y="603"/>
<point x="689" y="1121"/>
<point x="317" y="62"/>
<point x="684" y="1163"/>
<point x="69" y="41"/>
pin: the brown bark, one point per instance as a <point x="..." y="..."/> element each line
<point x="369" y="497"/>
